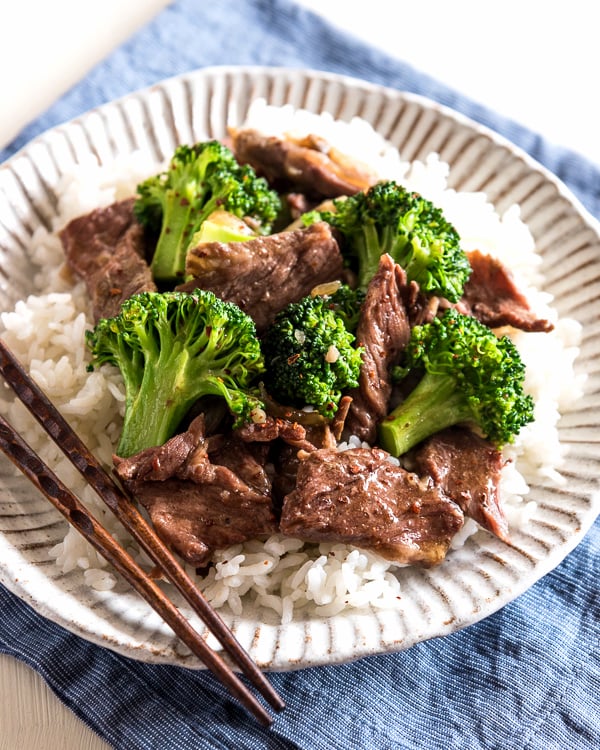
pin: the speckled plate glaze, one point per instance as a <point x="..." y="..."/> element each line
<point x="474" y="581"/>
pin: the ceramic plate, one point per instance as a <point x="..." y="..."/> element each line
<point x="474" y="581"/>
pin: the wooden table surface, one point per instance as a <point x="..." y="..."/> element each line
<point x="32" y="717"/>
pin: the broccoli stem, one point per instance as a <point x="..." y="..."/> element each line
<point x="436" y="403"/>
<point x="414" y="259"/>
<point x="172" y="244"/>
<point x="369" y="249"/>
<point x="146" y="428"/>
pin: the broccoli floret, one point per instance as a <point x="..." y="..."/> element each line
<point x="310" y="352"/>
<point x="387" y="218"/>
<point x="200" y="179"/>
<point x="172" y="348"/>
<point x="470" y="375"/>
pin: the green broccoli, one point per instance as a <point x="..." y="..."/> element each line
<point x="222" y="226"/>
<point x="200" y="179"/>
<point x="469" y="375"/>
<point x="310" y="352"/>
<point x="172" y="348"/>
<point x="387" y="218"/>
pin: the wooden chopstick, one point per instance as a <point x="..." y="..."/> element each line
<point x="22" y="455"/>
<point x="126" y="511"/>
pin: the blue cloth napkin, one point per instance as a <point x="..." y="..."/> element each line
<point x="528" y="677"/>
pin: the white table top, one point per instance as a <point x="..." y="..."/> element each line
<point x="523" y="61"/>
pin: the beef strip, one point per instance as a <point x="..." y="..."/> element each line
<point x="199" y="498"/>
<point x="272" y="429"/>
<point x="246" y="460"/>
<point x="297" y="204"/>
<point x="422" y="308"/>
<point x="309" y="165"/>
<point x="286" y="456"/>
<point x="107" y="248"/>
<point x="287" y="441"/>
<point x="163" y="462"/>
<point x="492" y="296"/>
<point x="264" y="274"/>
<point x="467" y="468"/>
<point x="358" y="497"/>
<point x="383" y="330"/>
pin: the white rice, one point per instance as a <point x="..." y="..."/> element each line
<point x="47" y="332"/>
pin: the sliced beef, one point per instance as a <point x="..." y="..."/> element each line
<point x="467" y="468"/>
<point x="358" y="497"/>
<point x="492" y="296"/>
<point x="287" y="441"/>
<point x="264" y="274"/>
<point x="309" y="165"/>
<point x="163" y="462"/>
<point x="246" y="461"/>
<point x="199" y="498"/>
<point x="383" y="330"/>
<point x="286" y="457"/>
<point x="422" y="308"/>
<point x="272" y="428"/>
<point x="297" y="204"/>
<point x="107" y="249"/>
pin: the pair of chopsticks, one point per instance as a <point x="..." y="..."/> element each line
<point x="32" y="466"/>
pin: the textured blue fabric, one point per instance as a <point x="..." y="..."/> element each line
<point x="527" y="678"/>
